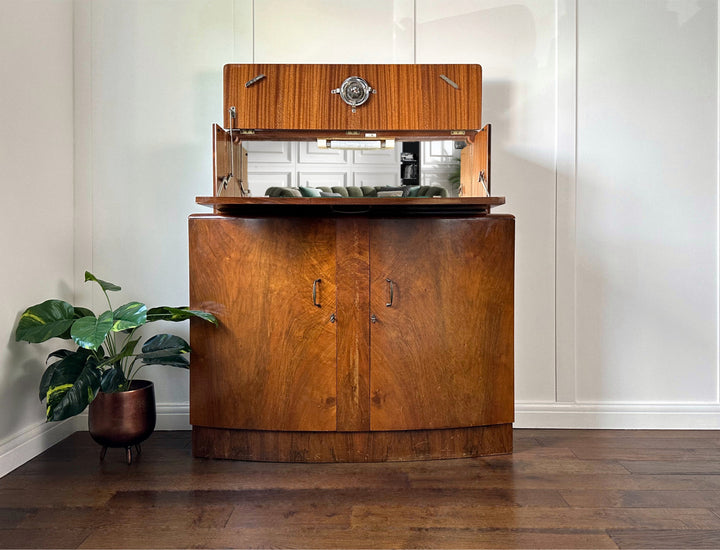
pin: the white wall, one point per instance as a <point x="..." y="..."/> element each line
<point x="604" y="142"/>
<point x="646" y="209"/>
<point x="152" y="89"/>
<point x="603" y="313"/>
<point x="36" y="226"/>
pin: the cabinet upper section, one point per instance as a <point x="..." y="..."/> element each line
<point x="398" y="98"/>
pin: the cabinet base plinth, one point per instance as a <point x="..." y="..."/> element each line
<point x="390" y="446"/>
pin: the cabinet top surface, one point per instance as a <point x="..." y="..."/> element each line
<point x="352" y="205"/>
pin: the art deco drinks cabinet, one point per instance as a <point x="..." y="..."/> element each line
<point x="352" y="328"/>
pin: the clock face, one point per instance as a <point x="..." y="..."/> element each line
<point x="355" y="91"/>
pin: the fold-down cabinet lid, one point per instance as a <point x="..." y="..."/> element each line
<point x="312" y="97"/>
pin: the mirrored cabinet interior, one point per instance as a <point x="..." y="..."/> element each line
<point x="363" y="287"/>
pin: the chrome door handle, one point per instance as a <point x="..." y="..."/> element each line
<point x="314" y="293"/>
<point x="390" y="303"/>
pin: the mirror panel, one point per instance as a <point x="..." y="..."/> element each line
<point x="304" y="164"/>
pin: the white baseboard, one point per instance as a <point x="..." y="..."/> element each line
<point x="17" y="449"/>
<point x="28" y="443"/>
<point x="173" y="416"/>
<point x="618" y="416"/>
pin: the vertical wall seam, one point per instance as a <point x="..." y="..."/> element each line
<point x="576" y="21"/>
<point x="717" y="214"/>
<point x="566" y="115"/>
<point x="557" y="152"/>
<point x="414" y="31"/>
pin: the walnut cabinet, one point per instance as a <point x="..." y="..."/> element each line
<point x="352" y="337"/>
<point x="351" y="329"/>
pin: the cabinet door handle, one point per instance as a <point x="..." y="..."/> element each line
<point x="390" y="303"/>
<point x="314" y="296"/>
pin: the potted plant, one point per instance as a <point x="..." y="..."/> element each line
<point x="101" y="371"/>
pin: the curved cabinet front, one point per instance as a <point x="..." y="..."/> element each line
<point x="352" y="338"/>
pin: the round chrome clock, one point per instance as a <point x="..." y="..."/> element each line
<point x="354" y="91"/>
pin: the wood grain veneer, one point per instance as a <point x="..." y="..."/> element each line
<point x="442" y="354"/>
<point x="475" y="159"/>
<point x="440" y="358"/>
<point x="374" y="446"/>
<point x="409" y="97"/>
<point x="353" y="324"/>
<point x="271" y="362"/>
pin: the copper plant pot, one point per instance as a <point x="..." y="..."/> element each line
<point x="123" y="419"/>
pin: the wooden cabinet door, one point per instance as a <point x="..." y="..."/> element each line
<point x="270" y="365"/>
<point x="442" y="354"/>
<point x="299" y="97"/>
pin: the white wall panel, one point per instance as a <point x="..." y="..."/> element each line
<point x="334" y="31"/>
<point x="260" y="181"/>
<point x="309" y="152"/>
<point x="647" y="201"/>
<point x="263" y="152"/>
<point x="376" y="177"/>
<point x="515" y="44"/>
<point x="386" y="157"/>
<point x="36" y="226"/>
<point x="322" y="179"/>
<point x="156" y="89"/>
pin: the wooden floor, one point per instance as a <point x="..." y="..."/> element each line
<point x="560" y="489"/>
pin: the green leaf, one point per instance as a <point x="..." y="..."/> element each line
<point x="175" y="314"/>
<point x="131" y="315"/>
<point x="171" y="360"/>
<point x="103" y="284"/>
<point x="127" y="351"/>
<point x="79" y="313"/>
<point x="83" y="312"/>
<point x="112" y="380"/>
<point x="44" y="321"/>
<point x="90" y="332"/>
<point x="69" y="399"/>
<point x="165" y="342"/>
<point x="166" y="349"/>
<point x="64" y="371"/>
<point x="60" y="354"/>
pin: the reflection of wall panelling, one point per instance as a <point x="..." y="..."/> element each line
<point x="269" y="151"/>
<point x="378" y="156"/>
<point x="260" y="181"/>
<point x="319" y="178"/>
<point x="439" y="152"/>
<point x="309" y="152"/>
<point x="280" y="163"/>
<point x="439" y="160"/>
<point x="373" y="177"/>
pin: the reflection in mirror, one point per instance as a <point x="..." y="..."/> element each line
<point x="303" y="164"/>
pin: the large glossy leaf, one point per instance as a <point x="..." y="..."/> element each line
<point x="79" y="312"/>
<point x="64" y="371"/>
<point x="90" y="332"/>
<point x="166" y="349"/>
<point x="66" y="400"/>
<point x="44" y="321"/>
<point x="103" y="284"/>
<point x="127" y="351"/>
<point x="83" y="312"/>
<point x="112" y="380"/>
<point x="131" y="315"/>
<point x="174" y="314"/>
<point x="59" y="354"/>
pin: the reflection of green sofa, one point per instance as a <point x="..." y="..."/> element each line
<point x="407" y="191"/>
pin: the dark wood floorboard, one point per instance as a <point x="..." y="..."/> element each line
<point x="559" y="489"/>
